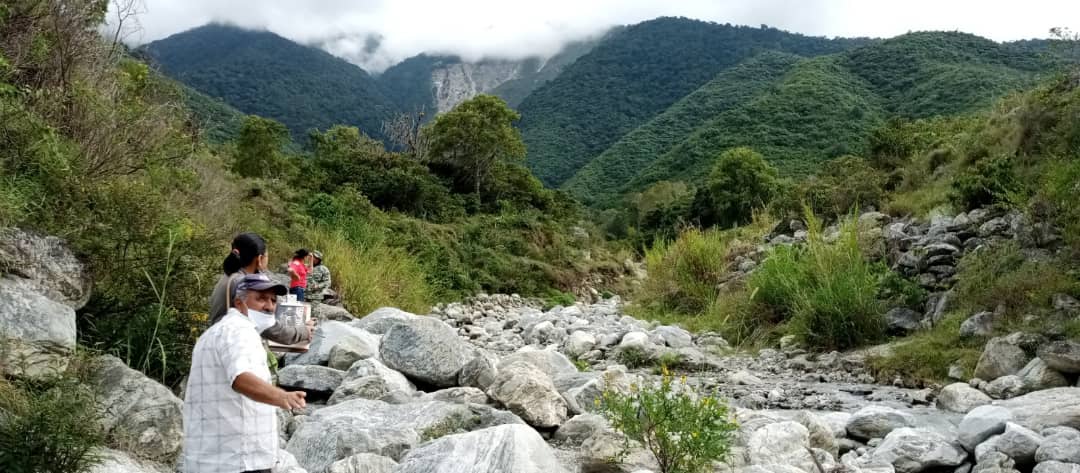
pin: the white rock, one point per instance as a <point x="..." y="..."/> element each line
<point x="961" y="397"/>
<point x="1018" y="443"/>
<point x="138" y="412"/>
<point x="363" y="463"/>
<point x="529" y="393"/>
<point x="1059" y="444"/>
<point x="876" y="421"/>
<point x="38" y="333"/>
<point x="982" y="423"/>
<point x="505" y="448"/>
<point x="427" y="350"/>
<point x="1056" y="467"/>
<point x="915" y="450"/>
<point x="781" y="443"/>
<point x="1047" y="408"/>
<point x="674" y="337"/>
<point x="579" y="343"/>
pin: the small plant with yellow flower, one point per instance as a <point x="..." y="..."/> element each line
<point x="685" y="431"/>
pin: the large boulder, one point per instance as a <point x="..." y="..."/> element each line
<point x="911" y="450"/>
<point x="329" y="334"/>
<point x="982" y="423"/>
<point x="1037" y="375"/>
<point x="363" y="463"/>
<point x="978" y="325"/>
<point x="311" y="378"/>
<point x="551" y="362"/>
<point x="138" y="412"/>
<point x="351" y="349"/>
<point x="579" y="428"/>
<point x="1056" y="467"/>
<point x="1063" y="355"/>
<point x="505" y="448"/>
<point x="393" y="380"/>
<point x="1059" y="444"/>
<point x="1005" y="355"/>
<point x="598" y="451"/>
<point x="874" y="421"/>
<point x="365" y="387"/>
<point x="37" y="334"/>
<point x="781" y="443"/>
<point x="426" y="350"/>
<point x="1005" y="387"/>
<point x="479" y="372"/>
<point x="366" y="426"/>
<point x="380" y="321"/>
<point x="529" y="392"/>
<point x="579" y="343"/>
<point x="901" y="320"/>
<point x="115" y="461"/>
<point x="1018" y="443"/>
<point x="821" y="432"/>
<point x="674" y="337"/>
<point x="47" y="266"/>
<point x="961" y="397"/>
<point x="1047" y="408"/>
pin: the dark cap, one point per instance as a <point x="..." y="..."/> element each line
<point x="259" y="282"/>
<point x="317" y="254"/>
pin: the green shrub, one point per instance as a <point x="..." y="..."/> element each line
<point x="633" y="357"/>
<point x="684" y="274"/>
<point x="1003" y="275"/>
<point x="48" y="426"/>
<point x="741" y="181"/>
<point x="926" y="356"/>
<point x="826" y="292"/>
<point x="685" y="431"/>
<point x="988" y="181"/>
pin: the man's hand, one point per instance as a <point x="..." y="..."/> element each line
<point x="293" y="400"/>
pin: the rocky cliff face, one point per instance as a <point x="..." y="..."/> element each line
<point x="458" y="82"/>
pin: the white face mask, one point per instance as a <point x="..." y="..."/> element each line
<point x="262" y="319"/>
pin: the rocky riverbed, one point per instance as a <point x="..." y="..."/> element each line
<point x="498" y="384"/>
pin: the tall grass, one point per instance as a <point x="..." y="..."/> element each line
<point x="371" y="275"/>
<point x="827" y="293"/>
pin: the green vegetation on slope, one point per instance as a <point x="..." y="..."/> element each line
<point x="633" y="75"/>
<point x="639" y="148"/>
<point x="264" y="74"/>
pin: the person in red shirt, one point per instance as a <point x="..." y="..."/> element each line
<point x="298" y="270"/>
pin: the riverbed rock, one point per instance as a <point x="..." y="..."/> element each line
<point x="877" y="421"/>
<point x="529" y="393"/>
<point x="674" y="337"/>
<point x="1037" y="375"/>
<point x="1056" y="467"/>
<point x="579" y="343"/>
<point x="479" y="372"/>
<point x="380" y="320"/>
<point x="901" y="320"/>
<point x="1047" y="408"/>
<point x="1018" y="443"/>
<point x="351" y="349"/>
<point x="394" y="380"/>
<point x="551" y="362"/>
<point x="961" y="398"/>
<point x="579" y="428"/>
<point x="115" y="461"/>
<point x="912" y="450"/>
<point x="1004" y="356"/>
<point x="982" y="423"/>
<point x="1062" y="355"/>
<point x="37" y="334"/>
<point x="505" y="448"/>
<point x="311" y="378"/>
<point x="329" y="334"/>
<point x="363" y="463"/>
<point x="427" y="350"/>
<point x="138" y="412"/>
<point x="1060" y="444"/>
<point x="978" y="325"/>
<point x="1005" y="387"/>
<point x="365" y="387"/>
<point x="46" y="265"/>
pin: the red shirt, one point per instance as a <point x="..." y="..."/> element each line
<point x="301" y="270"/>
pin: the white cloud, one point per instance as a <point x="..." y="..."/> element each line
<point x="511" y="29"/>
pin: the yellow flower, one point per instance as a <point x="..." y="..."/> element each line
<point x="683" y="379"/>
<point x="694" y="434"/>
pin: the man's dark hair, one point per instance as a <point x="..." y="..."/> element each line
<point x="301" y="253"/>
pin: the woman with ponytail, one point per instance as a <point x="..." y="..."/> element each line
<point x="248" y="256"/>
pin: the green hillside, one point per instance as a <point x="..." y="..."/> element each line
<point x="823" y="108"/>
<point x="639" y="148"/>
<point x="633" y="75"/>
<point x="515" y="91"/>
<point x="264" y="74"/>
<point x="218" y="121"/>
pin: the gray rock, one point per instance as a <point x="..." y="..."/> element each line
<point x="1063" y="356"/>
<point x="1005" y="387"/>
<point x="821" y="433"/>
<point x="1066" y="303"/>
<point x="1003" y="356"/>
<point x="467" y="395"/>
<point x="781" y="443"/>
<point x="674" y="337"/>
<point x="580" y="343"/>
<point x="328" y="334"/>
<point x="366" y="387"/>
<point x="331" y="312"/>
<point x="363" y="463"/>
<point x="351" y="349"/>
<point x="427" y="350"/>
<point x="1056" y="467"/>
<point x="876" y="421"/>
<point x="46" y="266"/>
<point x="37" y="334"/>
<point x="393" y="380"/>
<point x="479" y="372"/>
<point x="529" y="393"/>
<point x="837" y="423"/>
<point x="744" y="378"/>
<point x="937" y="305"/>
<point x="1037" y="376"/>
<point x="994" y="226"/>
<point x="311" y="378"/>
<point x="902" y="320"/>
<point x="506" y="448"/>
<point x="961" y="397"/>
<point x="579" y="428"/>
<point x="1060" y="444"/>
<point x="365" y="426"/>
<point x="115" y="461"/>
<point x="550" y="362"/>
<point x="915" y="450"/>
<point x="138" y="413"/>
<point x="1047" y="408"/>
<point x="982" y="423"/>
<point x="978" y="325"/>
<point x="380" y="321"/>
<point x="995" y="462"/>
<point x="1018" y="443"/>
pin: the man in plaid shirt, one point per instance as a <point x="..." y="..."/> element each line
<point x="230" y="423"/>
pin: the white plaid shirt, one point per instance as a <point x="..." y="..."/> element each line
<point x="224" y="431"/>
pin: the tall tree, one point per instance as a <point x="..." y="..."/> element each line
<point x="475" y="138"/>
<point x="258" y="148"/>
<point x="740" y="181"/>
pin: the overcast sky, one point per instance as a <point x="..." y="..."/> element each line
<point x="379" y="33"/>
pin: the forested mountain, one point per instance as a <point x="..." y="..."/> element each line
<point x="633" y="75"/>
<point x="264" y="74"/>
<point x="819" y="109"/>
